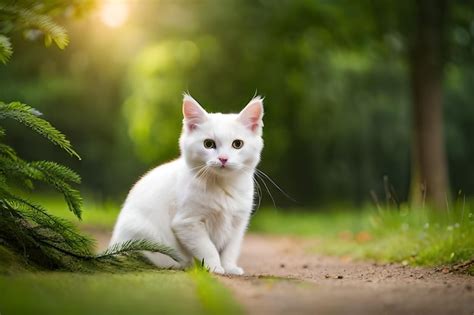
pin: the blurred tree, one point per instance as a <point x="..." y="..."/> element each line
<point x="320" y="50"/>
<point x="428" y="45"/>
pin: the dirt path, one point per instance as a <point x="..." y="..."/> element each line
<point x="284" y="277"/>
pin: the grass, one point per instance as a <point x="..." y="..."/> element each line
<point x="414" y="236"/>
<point x="151" y="292"/>
<point x="418" y="237"/>
<point x="212" y="295"/>
<point x="24" y="290"/>
<point x="405" y="235"/>
<point x="70" y="293"/>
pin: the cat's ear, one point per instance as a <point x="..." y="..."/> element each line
<point x="193" y="113"/>
<point x="251" y="116"/>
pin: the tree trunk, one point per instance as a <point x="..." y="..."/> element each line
<point x="429" y="170"/>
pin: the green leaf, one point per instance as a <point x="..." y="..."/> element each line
<point x="47" y="228"/>
<point x="47" y="40"/>
<point x="139" y="245"/>
<point x="56" y="170"/>
<point x="6" y="49"/>
<point x="57" y="175"/>
<point x="28" y="116"/>
<point x="30" y="19"/>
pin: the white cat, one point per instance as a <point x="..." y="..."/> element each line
<point x="199" y="204"/>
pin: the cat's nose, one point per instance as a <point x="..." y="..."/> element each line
<point x="223" y="159"/>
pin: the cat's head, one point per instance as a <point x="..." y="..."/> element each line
<point x="224" y="143"/>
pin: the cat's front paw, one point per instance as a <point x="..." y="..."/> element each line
<point x="216" y="269"/>
<point x="234" y="270"/>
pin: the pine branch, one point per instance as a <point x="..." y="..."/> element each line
<point x="28" y="116"/>
<point x="50" y="173"/>
<point x="56" y="170"/>
<point x="71" y="196"/>
<point x="30" y="19"/>
<point x="8" y="151"/>
<point x="139" y="245"/>
<point x="6" y="49"/>
<point x="40" y="237"/>
<point x="53" y="228"/>
<point x="57" y="175"/>
<point x="16" y="169"/>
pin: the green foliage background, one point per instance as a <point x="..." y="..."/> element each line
<point x="30" y="236"/>
<point x="334" y="74"/>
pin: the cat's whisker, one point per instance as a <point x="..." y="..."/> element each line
<point x="259" y="193"/>
<point x="202" y="173"/>
<point x="199" y="166"/>
<point x="258" y="188"/>
<point x="202" y="169"/>
<point x="263" y="177"/>
<point x="199" y="169"/>
<point x="274" y="184"/>
<point x="266" y="188"/>
<point x="205" y="176"/>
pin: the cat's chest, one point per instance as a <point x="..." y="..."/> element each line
<point x="222" y="226"/>
<point x="218" y="199"/>
<point x="224" y="212"/>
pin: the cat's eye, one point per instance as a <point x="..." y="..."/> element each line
<point x="209" y="144"/>
<point x="237" y="144"/>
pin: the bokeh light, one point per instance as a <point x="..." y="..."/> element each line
<point x="114" y="13"/>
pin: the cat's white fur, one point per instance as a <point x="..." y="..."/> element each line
<point x="194" y="204"/>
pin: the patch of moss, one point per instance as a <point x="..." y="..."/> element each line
<point x="152" y="292"/>
<point x="214" y="298"/>
<point x="11" y="262"/>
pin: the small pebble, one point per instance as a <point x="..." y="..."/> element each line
<point x="327" y="276"/>
<point x="282" y="265"/>
<point x="305" y="266"/>
<point x="421" y="277"/>
<point x="340" y="277"/>
<point x="468" y="287"/>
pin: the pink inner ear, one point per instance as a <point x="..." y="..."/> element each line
<point x="253" y="124"/>
<point x="193" y="113"/>
<point x="251" y="115"/>
<point x="191" y="117"/>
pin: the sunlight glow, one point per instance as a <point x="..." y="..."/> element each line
<point x="114" y="13"/>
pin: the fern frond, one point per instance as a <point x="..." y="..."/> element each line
<point x="30" y="19"/>
<point x="71" y="196"/>
<point x="58" y="175"/>
<point x="16" y="169"/>
<point x="73" y="199"/>
<point x="54" y="174"/>
<point x="6" y="49"/>
<point x="48" y="228"/>
<point x="8" y="151"/>
<point x="56" y="170"/>
<point x="139" y="245"/>
<point x="52" y="31"/>
<point x="27" y="115"/>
